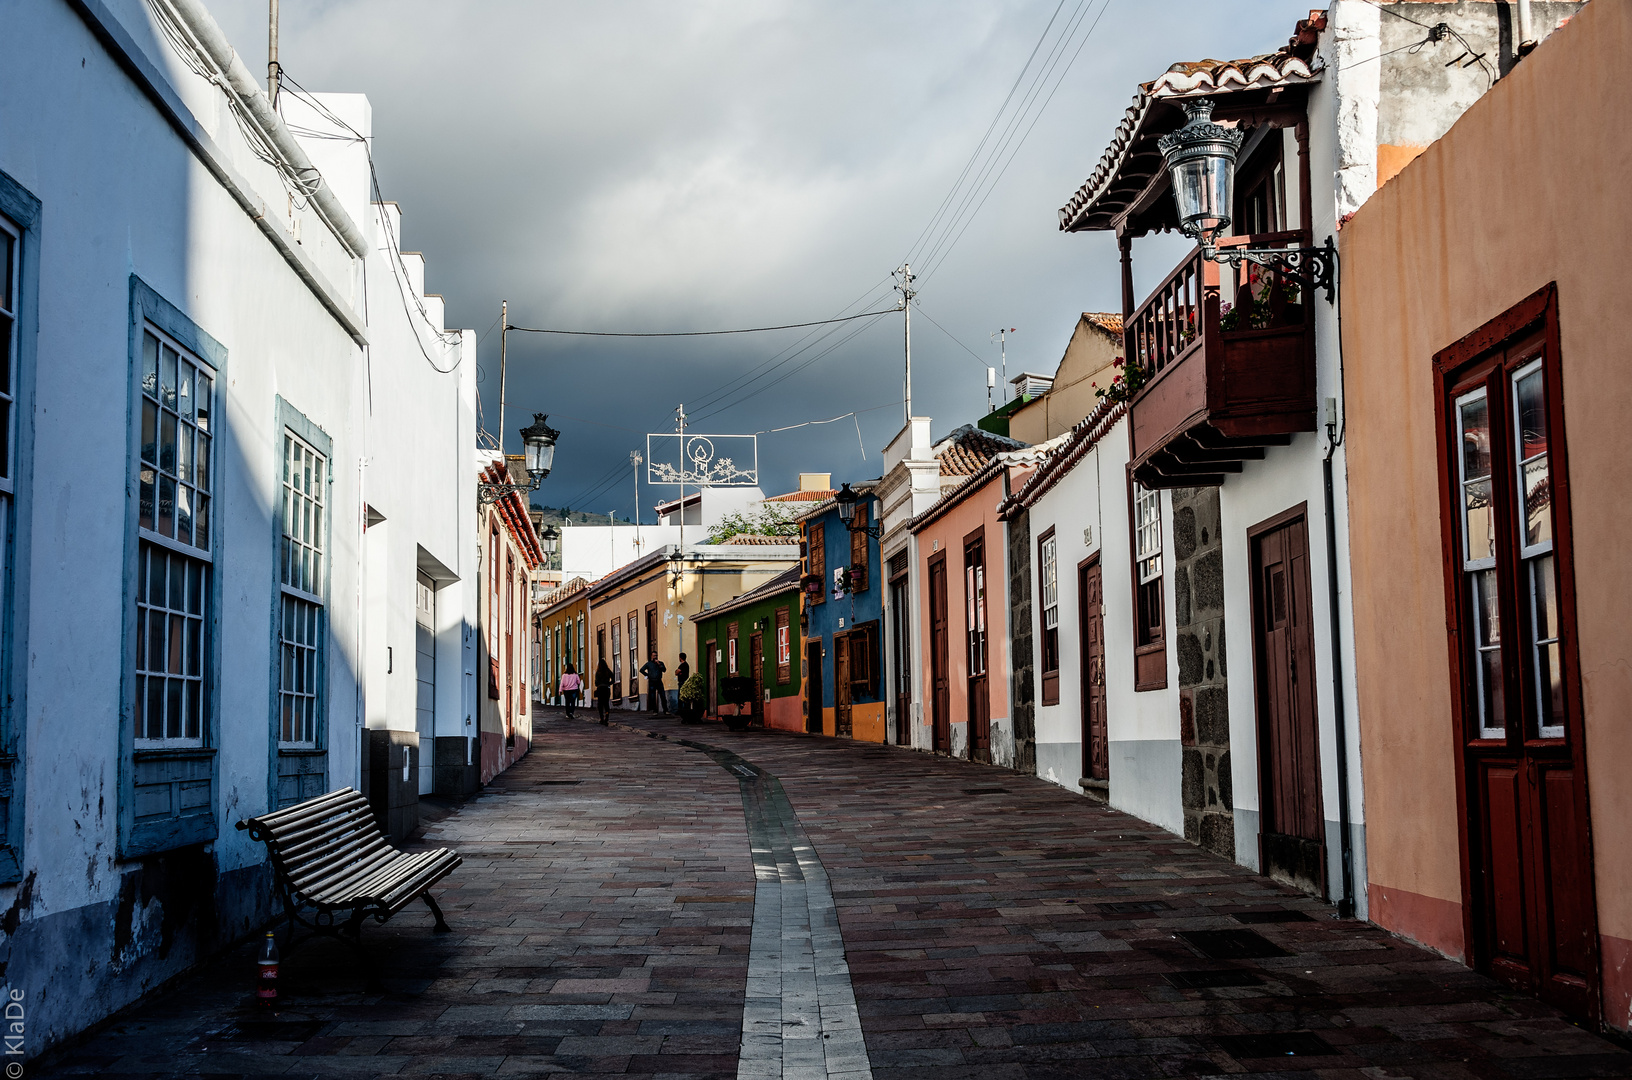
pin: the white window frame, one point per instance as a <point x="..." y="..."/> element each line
<point x="301" y="655"/>
<point x="194" y="614"/>
<point x="1472" y="568"/>
<point x="1147" y="508"/>
<point x="1051" y="582"/>
<point x="1535" y="556"/>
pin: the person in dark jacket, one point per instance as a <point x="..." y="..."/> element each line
<point x="682" y="672"/>
<point x="656" y="700"/>
<point x="603" y="691"/>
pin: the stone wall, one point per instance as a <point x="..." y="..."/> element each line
<point x="1204" y="714"/>
<point x="1023" y="693"/>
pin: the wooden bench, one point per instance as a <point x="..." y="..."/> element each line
<point x="328" y="855"/>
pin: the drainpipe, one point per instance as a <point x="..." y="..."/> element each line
<point x="1345" y="906"/>
<point x="1526" y="35"/>
<point x="242" y="85"/>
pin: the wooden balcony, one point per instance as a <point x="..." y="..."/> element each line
<point x="1221" y="385"/>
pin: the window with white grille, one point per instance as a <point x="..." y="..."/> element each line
<point x="174" y="553"/>
<point x="301" y="628"/>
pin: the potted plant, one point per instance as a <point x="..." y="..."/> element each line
<point x="693" y="698"/>
<point x="737" y="690"/>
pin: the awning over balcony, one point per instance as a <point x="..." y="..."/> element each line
<point x="1126" y="187"/>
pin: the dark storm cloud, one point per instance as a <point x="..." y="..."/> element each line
<point x="661" y="166"/>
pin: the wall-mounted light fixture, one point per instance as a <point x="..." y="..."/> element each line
<point x="1200" y="159"/>
<point x="847" y="500"/>
<point x="538" y="441"/>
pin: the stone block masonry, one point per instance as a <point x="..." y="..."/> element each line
<point x="1204" y="711"/>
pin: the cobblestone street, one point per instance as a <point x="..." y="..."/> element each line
<point x="607" y="919"/>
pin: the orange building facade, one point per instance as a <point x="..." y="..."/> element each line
<point x="1486" y="390"/>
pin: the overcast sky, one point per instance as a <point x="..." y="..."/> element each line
<point x="690" y="166"/>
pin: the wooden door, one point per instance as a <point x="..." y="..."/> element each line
<point x="1292" y="836"/>
<point x="756" y="663"/>
<point x="901" y="644"/>
<point x="815" y="697"/>
<point x="1091" y="631"/>
<point x="1532" y="913"/>
<point x="940" y="667"/>
<point x="979" y="694"/>
<point x="711" y="662"/>
<point x="841" y="686"/>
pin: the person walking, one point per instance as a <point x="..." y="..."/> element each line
<point x="682" y="672"/>
<point x="571" y="684"/>
<point x="656" y="700"/>
<point x="603" y="691"/>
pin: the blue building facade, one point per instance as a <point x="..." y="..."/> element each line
<point x="841" y="621"/>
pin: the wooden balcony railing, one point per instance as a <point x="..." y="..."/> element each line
<point x="1223" y="378"/>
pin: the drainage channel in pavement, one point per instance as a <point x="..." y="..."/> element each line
<point x="799" y="1018"/>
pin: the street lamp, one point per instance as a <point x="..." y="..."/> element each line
<point x="538" y="438"/>
<point x="538" y="441"/>
<point x="551" y="539"/>
<point x="1200" y="159"/>
<point x="847" y="500"/>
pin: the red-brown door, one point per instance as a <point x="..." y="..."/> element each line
<point x="841" y="686"/>
<point x="815" y="697"/>
<point x="1510" y="591"/>
<point x="1091" y="615"/>
<point x="756" y="664"/>
<point x="979" y="700"/>
<point x="711" y="662"/>
<point x="901" y="639"/>
<point x="1292" y="836"/>
<point x="940" y="675"/>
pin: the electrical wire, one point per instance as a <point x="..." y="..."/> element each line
<point x="695" y="333"/>
<point x="1036" y="116"/>
<point x="983" y="363"/>
<point x="975" y="155"/>
<point x="399" y="269"/>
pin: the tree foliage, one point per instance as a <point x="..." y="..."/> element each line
<point x="769" y="519"/>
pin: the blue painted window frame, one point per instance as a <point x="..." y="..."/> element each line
<point x="192" y="818"/>
<point x="23" y="210"/>
<point x="299" y="773"/>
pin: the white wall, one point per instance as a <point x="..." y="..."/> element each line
<point x="418" y="435"/>
<point x="1143" y="728"/>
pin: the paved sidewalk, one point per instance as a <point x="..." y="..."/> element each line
<point x="993" y="926"/>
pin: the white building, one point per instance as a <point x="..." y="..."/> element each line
<point x="186" y="324"/>
<point x="593" y="551"/>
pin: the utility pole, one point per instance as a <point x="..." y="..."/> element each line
<point x="504" y="330"/>
<point x="634" y="462"/>
<point x="680" y="420"/>
<point x="1001" y="335"/>
<point x="272" y="55"/>
<point x="904" y="276"/>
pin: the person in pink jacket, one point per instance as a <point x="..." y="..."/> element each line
<point x="571" y="684"/>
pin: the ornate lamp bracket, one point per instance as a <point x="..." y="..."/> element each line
<point x="1315" y="267"/>
<point x="490" y="493"/>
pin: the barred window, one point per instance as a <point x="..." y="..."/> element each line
<point x="301" y="630"/>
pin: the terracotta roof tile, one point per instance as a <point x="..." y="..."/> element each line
<point x="1108" y="321"/>
<point x="1295" y="63"/>
<point x="759" y="540"/>
<point x="803" y="496"/>
<point x="969" y="449"/>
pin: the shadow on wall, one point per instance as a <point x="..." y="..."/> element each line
<point x="171" y="904"/>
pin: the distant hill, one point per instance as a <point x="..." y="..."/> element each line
<point x="562" y="516"/>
